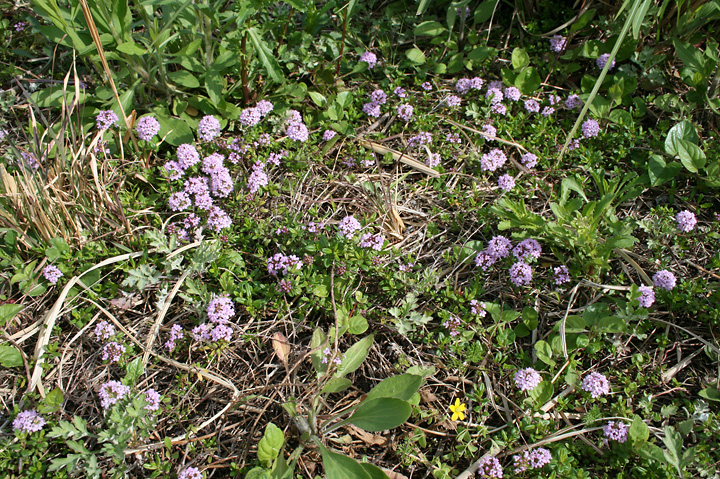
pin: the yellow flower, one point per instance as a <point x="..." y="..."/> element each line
<point x="457" y="410"/>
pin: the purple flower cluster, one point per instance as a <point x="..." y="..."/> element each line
<point x="498" y="248"/>
<point x="106" y="119"/>
<point x="295" y="128"/>
<point x="647" y="296"/>
<point x="52" y="273"/>
<point x="190" y="473"/>
<point x="279" y="263"/>
<point x="572" y="102"/>
<point x="477" y="308"/>
<point x="558" y="43"/>
<point x="453" y="101"/>
<point x="529" y="160"/>
<point x="492" y="160"/>
<point x="547" y="111"/>
<point x="616" y="431"/>
<point x="495" y="95"/>
<point x="527" y="250"/>
<point x="374" y="241"/>
<point x="209" y="128"/>
<point x="453" y="324"/>
<point x="147" y="127"/>
<point x="28" y="421"/>
<point x="327" y="352"/>
<point x="686" y="221"/>
<point x="422" y="138"/>
<point x="433" y="160"/>
<point x="520" y="273"/>
<point x="112" y="351"/>
<point x="531" y="459"/>
<point x="370" y="58"/>
<point x="664" y="279"/>
<point x="489" y="132"/>
<point x="506" y="182"/>
<point x="512" y="93"/>
<point x="328" y="135"/>
<point x="152" y="398"/>
<point x="405" y="112"/>
<point x="590" y="128"/>
<point x="220" y="309"/>
<point x="258" y="178"/>
<point x="527" y="379"/>
<point x="490" y="468"/>
<point x="562" y="274"/>
<point x="532" y="106"/>
<point x="349" y="226"/>
<point x="596" y="384"/>
<point x="112" y="392"/>
<point x="602" y="60"/>
<point x="464" y="85"/>
<point x="176" y="333"/>
<point x="103" y="331"/>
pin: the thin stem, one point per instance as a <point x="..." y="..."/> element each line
<point x="342" y="44"/>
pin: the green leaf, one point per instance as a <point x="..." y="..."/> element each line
<point x="520" y="58"/>
<point x="399" y="387"/>
<point x="316" y="343"/>
<point x="542" y="393"/>
<point x="660" y="172"/>
<point x="357" y="325"/>
<point x="266" y="57"/>
<point x="691" y="156"/>
<point x="691" y="56"/>
<point x="479" y="54"/>
<point x="354" y="356"/>
<point x="612" y="324"/>
<point x="175" y="131"/>
<point x="336" y="385"/>
<point x="544" y="353"/>
<point x="638" y="432"/>
<point x="374" y="471"/>
<point x="429" y="28"/>
<point x="338" y="466"/>
<point x="711" y="394"/>
<point x="416" y="56"/>
<point x="270" y="445"/>
<point x="485" y="10"/>
<point x="528" y="80"/>
<point x="10" y="356"/>
<point x="134" y="370"/>
<point x="317" y="98"/>
<point x="621" y="117"/>
<point x="8" y="312"/>
<point x="214" y="86"/>
<point x="184" y="78"/>
<point x="131" y="48"/>
<point x="582" y="21"/>
<point x="682" y="131"/>
<point x="52" y="402"/>
<point x="381" y="414"/>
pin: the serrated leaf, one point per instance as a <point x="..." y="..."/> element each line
<point x="381" y="414"/>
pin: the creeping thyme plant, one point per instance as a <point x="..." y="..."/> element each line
<point x="359" y="239"/>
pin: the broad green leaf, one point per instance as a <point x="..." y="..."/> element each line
<point x="544" y="353"/>
<point x="134" y="370"/>
<point x="485" y="10"/>
<point x="175" y="131"/>
<point x="429" y="28"/>
<point x="660" y="172"/>
<point x="478" y="54"/>
<point x="214" y="86"/>
<point x="266" y="57"/>
<point x="530" y="317"/>
<point x="528" y="80"/>
<point x="8" y="312"/>
<point x="416" y="56"/>
<point x="184" y="78"/>
<point x="682" y="131"/>
<point x="520" y="58"/>
<point x="131" y="48"/>
<point x="374" y="471"/>
<point x="270" y="445"/>
<point x="638" y="432"/>
<point x="10" y="356"/>
<point x="691" y="156"/>
<point x="571" y="183"/>
<point x="336" y="385"/>
<point x="317" y="98"/>
<point x="52" y="402"/>
<point x="621" y="117"/>
<point x="691" y="56"/>
<point x="399" y="387"/>
<point x="357" y="325"/>
<point x="381" y="414"/>
<point x="338" y="466"/>
<point x="316" y="343"/>
<point x="542" y="393"/>
<point x="711" y="394"/>
<point x="354" y="356"/>
<point x="612" y="324"/>
<point x="583" y="21"/>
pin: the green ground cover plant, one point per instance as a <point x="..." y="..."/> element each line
<point x="359" y="239"/>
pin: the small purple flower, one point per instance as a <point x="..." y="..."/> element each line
<point x="520" y="273"/>
<point x="493" y="160"/>
<point x="647" y="296"/>
<point x="28" y="421"/>
<point x="463" y="86"/>
<point x="179" y="201"/>
<point x="257" y="179"/>
<point x="558" y="43"/>
<point x="532" y="106"/>
<point x="616" y="431"/>
<point x="512" y="93"/>
<point x="489" y="132"/>
<point x="379" y="97"/>
<point x="686" y="221"/>
<point x="572" y="102"/>
<point x="20" y="26"/>
<point x="453" y="101"/>
<point x="106" y="119"/>
<point x="285" y="285"/>
<point x="297" y="131"/>
<point x="527" y="250"/>
<point x="453" y="138"/>
<point x="499" y="247"/>
<point x="498" y="108"/>
<point x="433" y="160"/>
<point x="187" y="156"/>
<point x="348" y="226"/>
<point x="427" y="86"/>
<point x="374" y="241"/>
<point x="554" y="99"/>
<point x="370" y="58"/>
<point x="328" y="135"/>
<point x="531" y="459"/>
<point x="485" y="259"/>
<point x="190" y="473"/>
<point x="209" y="128"/>
<point x="197" y="185"/>
<point x="221" y="332"/>
<point x="529" y="160"/>
<point x="495" y="95"/>
<point x="506" y="182"/>
<point x="547" y="111"/>
<point x="477" y="308"/>
<point x="372" y="109"/>
<point x="147" y="127"/>
<point x="29" y="160"/>
<point x="103" y="331"/>
<point x="602" y="60"/>
<point x="52" y="273"/>
<point x="664" y="279"/>
<point x="112" y="351"/>
<point x="596" y="384"/>
<point x="527" y="379"/>
<point x="250" y="116"/>
<point x="590" y="128"/>
<point x="453" y="324"/>
<point x="405" y="112"/>
<point x="201" y="332"/>
<point x="220" y="309"/>
<point x="152" y="398"/>
<point x="422" y="138"/>
<point x="218" y="219"/>
<point x="264" y="107"/>
<point x="111" y="392"/>
<point x="476" y="83"/>
<point x="176" y="333"/>
<point x="400" y="92"/>
<point x="562" y="274"/>
<point x="490" y="468"/>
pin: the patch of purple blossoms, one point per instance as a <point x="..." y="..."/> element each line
<point x="490" y="468"/>
<point x="647" y="296"/>
<point x="506" y="182"/>
<point x="348" y="226"/>
<point x="664" y="279"/>
<point x="492" y="160"/>
<point x="686" y="221"/>
<point x="147" y="127"/>
<point x="527" y="379"/>
<point x="111" y="392"/>
<point x="220" y="309"/>
<point x="52" y="273"/>
<point x="520" y="273"/>
<point x="616" y="431"/>
<point x="28" y="421"/>
<point x="106" y="119"/>
<point x="209" y="128"/>
<point x="596" y="384"/>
